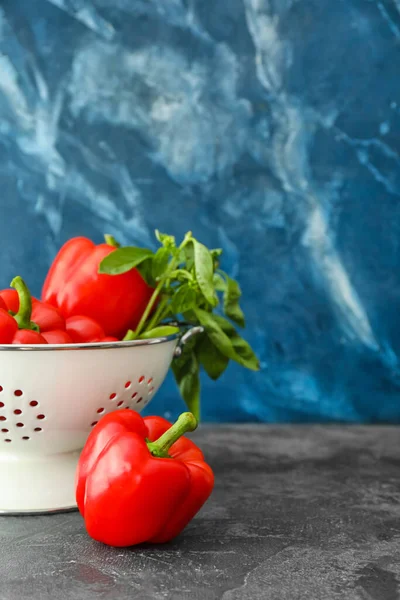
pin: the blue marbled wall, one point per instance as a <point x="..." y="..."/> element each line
<point x="268" y="127"/>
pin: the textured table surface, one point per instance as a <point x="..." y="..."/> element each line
<point x="297" y="513"/>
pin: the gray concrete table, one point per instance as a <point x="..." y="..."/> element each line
<point x="297" y="513"/>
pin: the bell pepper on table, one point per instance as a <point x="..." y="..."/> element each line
<point x="139" y="481"/>
<point x="75" y="286"/>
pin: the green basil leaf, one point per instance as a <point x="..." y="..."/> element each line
<point x="166" y="240"/>
<point x="161" y="331"/>
<point x="219" y="283"/>
<point x="188" y="380"/>
<point x="184" y="299"/>
<point x="186" y="257"/>
<point x="215" y="333"/>
<point x="189" y="387"/>
<point x="181" y="275"/>
<point x="215" y="254"/>
<point x="190" y="317"/>
<point x="145" y="269"/>
<point x="123" y="260"/>
<point x="204" y="269"/>
<point x="225" y="337"/>
<point x="160" y="262"/>
<point x="244" y="352"/>
<point x="211" y="359"/>
<point x="231" y="302"/>
<point x="247" y="357"/>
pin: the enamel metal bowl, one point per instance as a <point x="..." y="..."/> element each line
<point x="50" y="398"/>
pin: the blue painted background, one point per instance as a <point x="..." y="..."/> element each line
<point x="268" y="127"/>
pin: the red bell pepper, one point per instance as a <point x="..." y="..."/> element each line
<point x="46" y="316"/>
<point x="57" y="336"/>
<point x="10" y="299"/>
<point x="8" y="326"/>
<point x="86" y="330"/>
<point x="76" y="287"/>
<point x="18" y="328"/>
<point x="52" y="324"/>
<point x="139" y="481"/>
<point x="28" y="337"/>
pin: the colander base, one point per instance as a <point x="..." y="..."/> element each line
<point x="37" y="484"/>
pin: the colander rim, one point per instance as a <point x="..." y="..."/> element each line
<point x="88" y="346"/>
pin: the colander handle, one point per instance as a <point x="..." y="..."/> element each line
<point x="186" y="337"/>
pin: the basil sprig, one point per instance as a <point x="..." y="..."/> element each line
<point x="189" y="285"/>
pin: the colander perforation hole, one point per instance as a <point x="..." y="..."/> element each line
<point x="25" y="437"/>
<point x="2" y="418"/>
<point x="1" y="404"/>
<point x="139" y="400"/>
<point x="4" y="430"/>
<point x="17" y="411"/>
<point x="150" y="381"/>
<point x="37" y="429"/>
<point x="93" y="424"/>
<point x="7" y="440"/>
<point x="1" y="388"/>
<point x="18" y="393"/>
<point x="113" y="395"/>
<point x="128" y="384"/>
<point x="20" y="425"/>
<point x="151" y="390"/>
<point x="120" y="403"/>
<point x="134" y="394"/>
<point x="41" y="417"/>
<point x="33" y="403"/>
<point x="141" y="378"/>
<point x="100" y="410"/>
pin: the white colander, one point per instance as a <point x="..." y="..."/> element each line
<point x="50" y="398"/>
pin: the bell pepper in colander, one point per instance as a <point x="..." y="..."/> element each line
<point x="138" y="480"/>
<point x="55" y="329"/>
<point x="76" y="287"/>
<point x="46" y="317"/>
<point x="8" y="325"/>
<point x="86" y="330"/>
<point x="18" y="328"/>
<point x="51" y="323"/>
<point x="10" y="299"/>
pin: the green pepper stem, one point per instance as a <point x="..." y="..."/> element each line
<point x="23" y="316"/>
<point x="111" y="241"/>
<point x="185" y="422"/>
